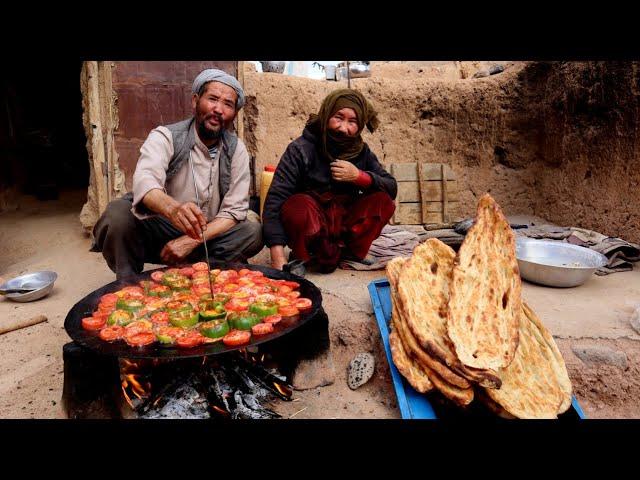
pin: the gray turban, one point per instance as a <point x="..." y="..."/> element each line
<point x="214" y="75"/>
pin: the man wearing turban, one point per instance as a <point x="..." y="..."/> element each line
<point x="330" y="197"/>
<point x="161" y="221"/>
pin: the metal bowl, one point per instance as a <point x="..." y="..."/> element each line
<point x="556" y="264"/>
<point x="42" y="281"/>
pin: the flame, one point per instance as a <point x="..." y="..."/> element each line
<point x="133" y="385"/>
<point x="124" y="392"/>
<point x="220" y="410"/>
<point x="137" y="388"/>
<point x="284" y="392"/>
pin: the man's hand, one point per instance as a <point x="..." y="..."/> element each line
<point x="188" y="218"/>
<point x="344" y="171"/>
<point x="176" y="250"/>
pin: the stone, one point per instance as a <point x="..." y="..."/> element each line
<point x="635" y="320"/>
<point x="315" y="372"/>
<point x="596" y="354"/>
<point x="360" y="370"/>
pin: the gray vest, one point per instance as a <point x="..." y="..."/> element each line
<point x="183" y="143"/>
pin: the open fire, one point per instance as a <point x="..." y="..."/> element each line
<point x="230" y="386"/>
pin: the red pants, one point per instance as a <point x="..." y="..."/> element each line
<point x="329" y="227"/>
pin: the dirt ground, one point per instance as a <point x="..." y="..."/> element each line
<point x="48" y="235"/>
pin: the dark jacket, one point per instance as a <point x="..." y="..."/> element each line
<point x="303" y="169"/>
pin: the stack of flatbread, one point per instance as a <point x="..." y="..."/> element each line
<point x="459" y="325"/>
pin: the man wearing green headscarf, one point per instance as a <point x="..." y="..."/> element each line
<point x="330" y="197"/>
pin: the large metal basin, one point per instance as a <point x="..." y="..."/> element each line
<point x="556" y="264"/>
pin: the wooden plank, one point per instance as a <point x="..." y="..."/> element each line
<point x="109" y="124"/>
<point x="445" y="214"/>
<point x="97" y="142"/>
<point x="411" y="214"/>
<point x="403" y="172"/>
<point x="409" y="191"/>
<point x="423" y="194"/>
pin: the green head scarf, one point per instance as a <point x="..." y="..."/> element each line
<point x="334" y="146"/>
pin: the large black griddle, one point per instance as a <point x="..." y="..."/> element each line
<point x="91" y="340"/>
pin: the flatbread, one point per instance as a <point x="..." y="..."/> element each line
<point x="393" y="269"/>
<point x="423" y="290"/>
<point x="557" y="361"/>
<point x="485" y="303"/>
<point x="536" y="383"/>
<point x="492" y="406"/>
<point x="407" y="367"/>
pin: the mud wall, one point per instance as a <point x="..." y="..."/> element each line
<point x="553" y="139"/>
<point x="590" y="174"/>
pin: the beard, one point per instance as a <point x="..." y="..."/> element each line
<point x="206" y="133"/>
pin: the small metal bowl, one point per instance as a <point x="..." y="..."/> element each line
<point x="41" y="281"/>
<point x="556" y="264"/>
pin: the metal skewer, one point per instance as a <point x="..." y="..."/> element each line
<point x="204" y="240"/>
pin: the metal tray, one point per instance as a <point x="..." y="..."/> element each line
<point x="91" y="340"/>
<point x="415" y="405"/>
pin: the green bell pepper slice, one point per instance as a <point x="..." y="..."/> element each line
<point x="214" y="328"/>
<point x="264" y="309"/>
<point x="129" y="304"/>
<point x="120" y="317"/>
<point x="160" y="291"/>
<point x="184" y="318"/>
<point x="243" y="320"/>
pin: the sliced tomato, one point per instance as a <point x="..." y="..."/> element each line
<point x="93" y="323"/>
<point x="236" y="337"/>
<point x="288" y="311"/>
<point x="139" y="326"/>
<point x="200" y="280"/>
<point x="101" y="314"/>
<point x="246" y="281"/>
<point x="157" y="276"/>
<point x="191" y="339"/>
<point x="187" y="271"/>
<point x="272" y="319"/>
<point x="291" y="284"/>
<point x="114" y="332"/>
<point x="283" y="289"/>
<point x="109" y="299"/>
<point x="255" y="273"/>
<point x="283" y="302"/>
<point x="303" y="304"/>
<point x="140" y="339"/>
<point x="260" y="280"/>
<point x="230" y="287"/>
<point x="160" y="318"/>
<point x="133" y="289"/>
<point x="241" y="294"/>
<point x="201" y="289"/>
<point x="154" y="303"/>
<point x="236" y="305"/>
<point x="262" y="328"/>
<point x="174" y="332"/>
<point x="293" y="295"/>
<point x="244" y="272"/>
<point x="200" y="267"/>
